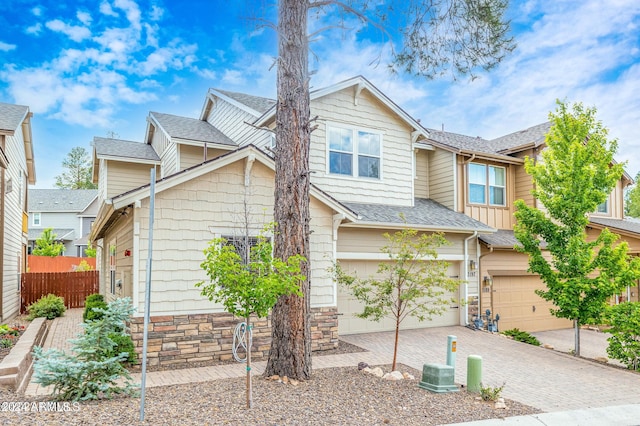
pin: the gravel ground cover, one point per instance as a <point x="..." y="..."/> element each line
<point x="336" y="396"/>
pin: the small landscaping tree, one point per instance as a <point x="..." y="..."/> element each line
<point x="412" y="283"/>
<point x="47" y="245"/>
<point x="91" y="370"/>
<point x="624" y="343"/>
<point x="577" y="173"/>
<point x="248" y="280"/>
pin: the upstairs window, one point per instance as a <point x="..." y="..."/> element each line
<point x="36" y="219"/>
<point x="354" y="152"/>
<point x="603" y="208"/>
<point x="487" y="183"/>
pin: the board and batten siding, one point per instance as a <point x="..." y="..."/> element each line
<point x="396" y="183"/>
<point x="169" y="161"/>
<point x="123" y="177"/>
<point x="14" y="239"/>
<point x="191" y="155"/>
<point x="421" y="182"/>
<point x="232" y="120"/>
<point x="441" y="177"/>
<point x="191" y="214"/>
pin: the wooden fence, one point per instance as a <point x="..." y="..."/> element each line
<point x="73" y="287"/>
<point x="57" y="264"/>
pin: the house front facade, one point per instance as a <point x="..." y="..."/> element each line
<point x="372" y="165"/>
<point x="17" y="171"/>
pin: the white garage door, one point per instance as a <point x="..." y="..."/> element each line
<point x="514" y="298"/>
<point x="348" y="307"/>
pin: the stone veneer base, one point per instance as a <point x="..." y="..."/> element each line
<point x="179" y="339"/>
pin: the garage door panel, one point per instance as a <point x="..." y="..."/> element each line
<point x="349" y="306"/>
<point x="514" y="298"/>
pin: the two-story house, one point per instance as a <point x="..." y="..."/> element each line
<point x="69" y="212"/>
<point x="372" y="163"/>
<point x="490" y="177"/>
<point x="17" y="170"/>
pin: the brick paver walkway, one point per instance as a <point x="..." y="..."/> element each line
<point x="546" y="379"/>
<point x="543" y="378"/>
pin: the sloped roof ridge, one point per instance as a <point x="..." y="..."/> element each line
<point x="189" y="128"/>
<point x="259" y="104"/>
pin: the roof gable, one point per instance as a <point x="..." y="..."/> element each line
<point x="11" y="117"/>
<point x="192" y="129"/>
<point x="60" y="200"/>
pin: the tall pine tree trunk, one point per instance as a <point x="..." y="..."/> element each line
<point x="290" y="353"/>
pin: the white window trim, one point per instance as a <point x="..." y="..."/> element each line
<point x="607" y="211"/>
<point x="39" y="216"/>
<point x="487" y="186"/>
<point x="354" y="165"/>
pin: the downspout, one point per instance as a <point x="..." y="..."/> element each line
<point x="465" y="285"/>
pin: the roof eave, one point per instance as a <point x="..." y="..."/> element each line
<point x="420" y="227"/>
<point x="235" y="103"/>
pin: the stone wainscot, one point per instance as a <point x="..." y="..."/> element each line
<point x="178" y="339"/>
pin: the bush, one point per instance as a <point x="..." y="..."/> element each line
<point x="49" y="306"/>
<point x="522" y="336"/>
<point x="89" y="371"/>
<point x="624" y="343"/>
<point x="93" y="301"/>
<point x="124" y="344"/>
<point x="489" y="393"/>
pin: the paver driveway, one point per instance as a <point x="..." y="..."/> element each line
<point x="543" y="378"/>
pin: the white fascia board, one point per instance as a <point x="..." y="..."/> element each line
<point x="192" y="142"/>
<point x="129" y="159"/>
<point x="393" y="225"/>
<point x="235" y="103"/>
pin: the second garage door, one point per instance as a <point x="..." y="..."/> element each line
<point x="515" y="300"/>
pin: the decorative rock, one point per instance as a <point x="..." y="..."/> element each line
<point x="362" y="365"/>
<point x="547" y="346"/>
<point x="377" y="372"/>
<point x="294" y="382"/>
<point x="408" y="376"/>
<point x="602" y="359"/>
<point x="275" y="378"/>
<point x="394" y="375"/>
<point x="366" y="370"/>
<point x="285" y="379"/>
<point x="500" y="405"/>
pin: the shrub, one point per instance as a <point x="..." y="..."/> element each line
<point x="89" y="371"/>
<point x="93" y="301"/>
<point x="49" y="306"/>
<point x="124" y="344"/>
<point x="489" y="393"/>
<point x="83" y="266"/>
<point x="624" y="343"/>
<point x="522" y="336"/>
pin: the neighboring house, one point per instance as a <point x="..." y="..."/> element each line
<point x="17" y="171"/>
<point x="70" y="212"/>
<point x="491" y="176"/>
<point x="371" y="162"/>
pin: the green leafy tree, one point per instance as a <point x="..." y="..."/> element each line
<point x="47" y="245"/>
<point x="90" y="252"/>
<point x="78" y="171"/>
<point x="433" y="37"/>
<point x="575" y="175"/>
<point x="411" y="283"/>
<point x="248" y="280"/>
<point x="624" y="343"/>
<point x="90" y="370"/>
<point x="632" y="200"/>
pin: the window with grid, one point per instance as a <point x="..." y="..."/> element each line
<point x="354" y="152"/>
<point x="487" y="183"/>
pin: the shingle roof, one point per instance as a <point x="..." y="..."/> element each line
<point x="190" y="129"/>
<point x="535" y="134"/>
<point x="61" y="234"/>
<point x="617" y="224"/>
<point x="60" y="200"/>
<point x="125" y="149"/>
<point x="424" y="213"/>
<point x="256" y="103"/>
<point x="11" y="116"/>
<point x="504" y="238"/>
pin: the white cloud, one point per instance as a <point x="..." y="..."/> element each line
<point x="131" y="10"/>
<point x="34" y="29"/>
<point x="5" y="47"/>
<point x="74" y="32"/>
<point x="84" y="17"/>
<point x="234" y="77"/>
<point x="106" y="9"/>
<point x="156" y="13"/>
<point x="36" y="11"/>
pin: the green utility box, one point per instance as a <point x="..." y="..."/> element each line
<point x="438" y="378"/>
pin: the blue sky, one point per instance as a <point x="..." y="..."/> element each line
<point x="89" y="67"/>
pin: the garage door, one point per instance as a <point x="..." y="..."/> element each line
<point x="348" y="307"/>
<point x="514" y="298"/>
